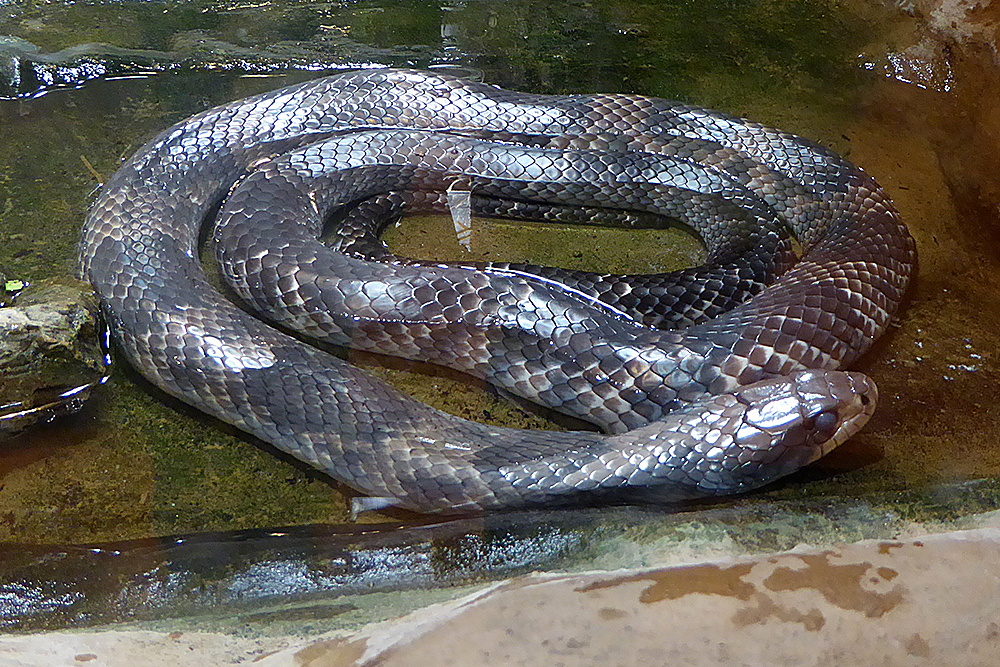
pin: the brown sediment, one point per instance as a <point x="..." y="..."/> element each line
<point x="841" y="585"/>
<point x="937" y="152"/>
<point x="676" y="583"/>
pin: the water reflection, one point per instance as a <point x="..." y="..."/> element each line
<point x="251" y="571"/>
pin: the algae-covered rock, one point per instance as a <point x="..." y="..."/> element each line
<point x="50" y="353"/>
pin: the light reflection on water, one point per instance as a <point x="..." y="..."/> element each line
<point x="924" y="65"/>
<point x="257" y="571"/>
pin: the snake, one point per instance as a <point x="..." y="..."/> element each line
<point x="808" y="261"/>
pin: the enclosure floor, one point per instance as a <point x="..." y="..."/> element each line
<point x="928" y="599"/>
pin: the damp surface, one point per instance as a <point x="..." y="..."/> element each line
<point x="907" y="99"/>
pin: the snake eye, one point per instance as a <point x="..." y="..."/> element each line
<point x="826" y="421"/>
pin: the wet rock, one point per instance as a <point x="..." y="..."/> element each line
<point x="50" y="354"/>
<point x="967" y="22"/>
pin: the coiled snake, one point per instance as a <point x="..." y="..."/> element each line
<point x="722" y="406"/>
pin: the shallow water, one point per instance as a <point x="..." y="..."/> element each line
<point x="910" y="105"/>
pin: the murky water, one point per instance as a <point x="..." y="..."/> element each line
<point x="912" y="106"/>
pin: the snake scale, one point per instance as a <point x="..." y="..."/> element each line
<point x="729" y="403"/>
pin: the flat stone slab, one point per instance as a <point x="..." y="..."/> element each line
<point x="927" y="600"/>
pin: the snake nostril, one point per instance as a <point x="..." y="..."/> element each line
<point x="865" y="400"/>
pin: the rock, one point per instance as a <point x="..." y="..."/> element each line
<point x="50" y="353"/>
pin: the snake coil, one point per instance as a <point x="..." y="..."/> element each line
<point x="727" y="404"/>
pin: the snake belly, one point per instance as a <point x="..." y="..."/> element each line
<point x="720" y="407"/>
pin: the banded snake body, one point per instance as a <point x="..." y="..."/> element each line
<point x="731" y="402"/>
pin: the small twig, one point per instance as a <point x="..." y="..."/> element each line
<point x="90" y="168"/>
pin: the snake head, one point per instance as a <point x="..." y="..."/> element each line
<point x="719" y="445"/>
<point x="801" y="417"/>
